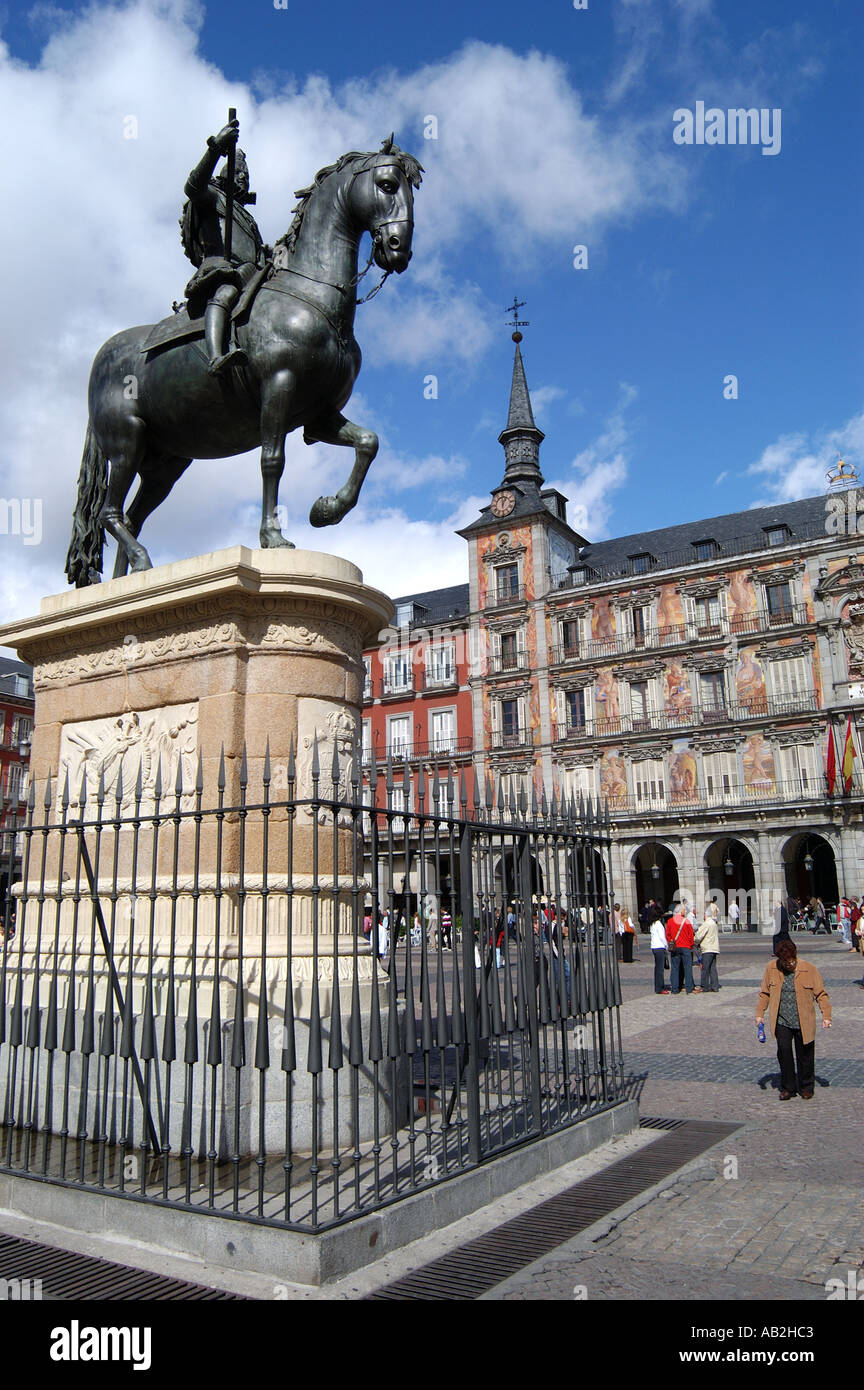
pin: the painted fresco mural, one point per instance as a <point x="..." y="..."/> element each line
<point x="750" y="681"/>
<point x="613" y="776"/>
<point x="683" y="776"/>
<point x="757" y="759"/>
<point x="670" y="612"/>
<point x="602" y="620"/>
<point x="606" y="696"/>
<point x="741" y="600"/>
<point x="677" y="695"/>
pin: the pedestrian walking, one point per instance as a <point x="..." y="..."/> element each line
<point x="791" y="989"/>
<point x="628" y="936"/>
<point x="708" y="939"/>
<point x="446" y="925"/>
<point x="734" y="915"/>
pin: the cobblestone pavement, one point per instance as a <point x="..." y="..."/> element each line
<point x="777" y="1209"/>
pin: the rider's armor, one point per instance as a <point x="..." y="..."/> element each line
<point x="215" y="287"/>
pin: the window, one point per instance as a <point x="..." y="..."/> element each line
<point x="366" y="741"/>
<point x="575" y="702"/>
<point x="713" y="690"/>
<point x="638" y="623"/>
<point x="705" y="550"/>
<point x="510" y="719"/>
<point x="648" y="783"/>
<point x="442" y="728"/>
<point x="791" y="679"/>
<point x="13" y="781"/>
<point x="639" y="702"/>
<point x="506" y="582"/>
<point x="798" y="771"/>
<point x="441" y="665"/>
<point x="367" y="678"/>
<point x="397" y="673"/>
<point x="509" y="651"/>
<point x="399" y="736"/>
<point x="570" y="638"/>
<point x="776" y="535"/>
<point x="707" y="613"/>
<point x="640" y="564"/>
<point x="779" y="600"/>
<point x="721" y="776"/>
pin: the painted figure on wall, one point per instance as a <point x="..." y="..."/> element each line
<point x="669" y="611"/>
<point x="682" y="773"/>
<point x="758" y="762"/>
<point x="606" y="696"/>
<point x="613" y="777"/>
<point x="750" y="682"/>
<point x="742" y="599"/>
<point x="677" y="696"/>
<point x="602" y="620"/>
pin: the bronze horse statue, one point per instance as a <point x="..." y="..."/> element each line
<point x="152" y="409"/>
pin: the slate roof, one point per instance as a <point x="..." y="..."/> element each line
<point x="453" y="602"/>
<point x="733" y="532"/>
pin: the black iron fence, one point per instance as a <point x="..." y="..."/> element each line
<point x="299" y="1000"/>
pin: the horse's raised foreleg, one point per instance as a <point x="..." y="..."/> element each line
<point x="276" y="396"/>
<point x="155" y="487"/>
<point x="335" y="429"/>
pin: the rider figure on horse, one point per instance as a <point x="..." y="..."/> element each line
<point x="217" y="283"/>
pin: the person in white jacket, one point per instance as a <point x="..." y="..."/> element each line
<point x="707" y="939"/>
<point x="659" y="947"/>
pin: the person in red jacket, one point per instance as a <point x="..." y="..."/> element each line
<point x="679" y="934"/>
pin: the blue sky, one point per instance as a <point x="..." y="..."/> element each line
<point x="554" y="130"/>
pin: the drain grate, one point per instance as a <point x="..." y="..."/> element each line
<point x="482" y="1263"/>
<point x="66" y="1275"/>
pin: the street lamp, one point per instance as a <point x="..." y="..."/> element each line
<point x="728" y="866"/>
<point x="655" y="867"/>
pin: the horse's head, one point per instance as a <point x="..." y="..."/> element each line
<point x="380" y="199"/>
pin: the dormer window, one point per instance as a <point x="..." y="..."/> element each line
<point x="641" y="564"/>
<point x="705" y="550"/>
<point x="777" y="535"/>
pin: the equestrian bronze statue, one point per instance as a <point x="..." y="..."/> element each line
<point x="264" y="345"/>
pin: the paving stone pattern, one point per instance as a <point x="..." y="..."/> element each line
<point x="777" y="1209"/>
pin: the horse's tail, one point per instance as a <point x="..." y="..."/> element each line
<point x="84" y="557"/>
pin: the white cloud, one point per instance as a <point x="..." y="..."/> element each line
<point x="599" y="471"/>
<point x="795" y="465"/>
<point x="95" y="244"/>
<point x="542" y="397"/>
<point x="721" y="477"/>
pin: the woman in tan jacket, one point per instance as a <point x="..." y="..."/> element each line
<point x="791" y="988"/>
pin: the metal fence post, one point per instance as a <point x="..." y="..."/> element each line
<point x="532" y="980"/>
<point x="471" y="1071"/>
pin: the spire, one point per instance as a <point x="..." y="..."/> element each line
<point x="521" y="437"/>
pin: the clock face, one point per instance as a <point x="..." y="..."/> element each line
<point x="503" y="503"/>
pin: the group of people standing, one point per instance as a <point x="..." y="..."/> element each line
<point x="675" y="937"/>
<point x="378" y="930"/>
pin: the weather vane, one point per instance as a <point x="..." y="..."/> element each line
<point x="517" y="322"/>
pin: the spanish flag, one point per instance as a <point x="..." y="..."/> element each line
<point x="849" y="755"/>
<point x="831" y="762"/>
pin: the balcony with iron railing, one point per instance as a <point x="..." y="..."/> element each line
<point x="434" y="680"/>
<point x="661" y="721"/>
<point x="505" y="596"/>
<point x="504" y="663"/>
<point x="442" y="748"/>
<point x="402" y="685"/>
<point x="728" y="798"/>
<point x="742" y="625"/>
<point x="513" y="740"/>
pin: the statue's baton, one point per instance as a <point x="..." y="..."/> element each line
<point x="229" y="190"/>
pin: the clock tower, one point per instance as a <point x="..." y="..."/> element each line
<point x="519" y="549"/>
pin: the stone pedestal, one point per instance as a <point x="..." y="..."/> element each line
<point x="142" y="681"/>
